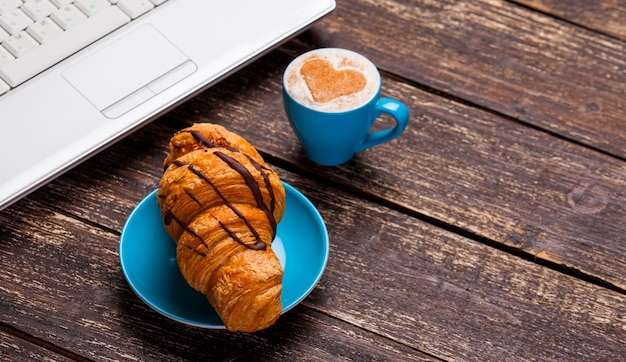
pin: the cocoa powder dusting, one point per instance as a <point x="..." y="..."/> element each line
<point x="327" y="83"/>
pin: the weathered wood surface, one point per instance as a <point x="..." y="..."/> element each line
<point x="13" y="348"/>
<point x="446" y="244"/>
<point x="498" y="55"/>
<point x="600" y="15"/>
<point x="467" y="168"/>
<point x="62" y="283"/>
<point x="396" y="287"/>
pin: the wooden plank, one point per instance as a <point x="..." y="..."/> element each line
<point x="61" y="282"/>
<point x="463" y="167"/>
<point x="431" y="290"/>
<point x="394" y="289"/>
<point x="549" y="73"/>
<point x="467" y="168"/>
<point x="486" y="303"/>
<point x="605" y="16"/>
<point x="13" y="348"/>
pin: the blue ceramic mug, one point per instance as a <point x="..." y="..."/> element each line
<point x="332" y="108"/>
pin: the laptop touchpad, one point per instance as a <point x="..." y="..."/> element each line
<point x="129" y="71"/>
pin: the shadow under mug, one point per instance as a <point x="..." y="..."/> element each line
<point x="333" y="138"/>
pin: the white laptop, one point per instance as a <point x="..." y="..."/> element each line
<point x="56" y="111"/>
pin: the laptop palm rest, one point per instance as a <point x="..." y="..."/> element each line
<point x="129" y="71"/>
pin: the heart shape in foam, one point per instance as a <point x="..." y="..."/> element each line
<point x="327" y="83"/>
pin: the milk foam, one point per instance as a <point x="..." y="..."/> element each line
<point x="340" y="59"/>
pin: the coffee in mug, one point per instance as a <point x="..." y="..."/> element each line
<point x="332" y="80"/>
<point x="332" y="99"/>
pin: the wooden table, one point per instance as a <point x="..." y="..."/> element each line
<point x="493" y="229"/>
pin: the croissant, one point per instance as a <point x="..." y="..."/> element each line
<point x="221" y="204"/>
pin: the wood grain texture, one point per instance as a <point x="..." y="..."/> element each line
<point x="420" y="282"/>
<point x="396" y="287"/>
<point x="510" y="59"/>
<point x="446" y="244"/>
<point x="13" y="348"/>
<point x="467" y="168"/>
<point x="61" y="282"/>
<point x="604" y="16"/>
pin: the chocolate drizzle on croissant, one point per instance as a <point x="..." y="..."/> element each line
<point x="202" y="140"/>
<point x="252" y="185"/>
<point x="220" y="202"/>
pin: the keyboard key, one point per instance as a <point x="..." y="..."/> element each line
<point x="59" y="47"/>
<point x="91" y="7"/>
<point x="6" y="5"/>
<point x="135" y="8"/>
<point x="68" y="16"/>
<point x="37" y="9"/>
<point x="20" y="44"/>
<point x="14" y="21"/>
<point x="44" y="30"/>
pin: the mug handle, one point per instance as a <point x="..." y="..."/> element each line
<point x="395" y="109"/>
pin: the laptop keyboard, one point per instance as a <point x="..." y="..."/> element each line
<point x="36" y="34"/>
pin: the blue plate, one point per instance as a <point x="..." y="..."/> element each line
<point x="148" y="259"/>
